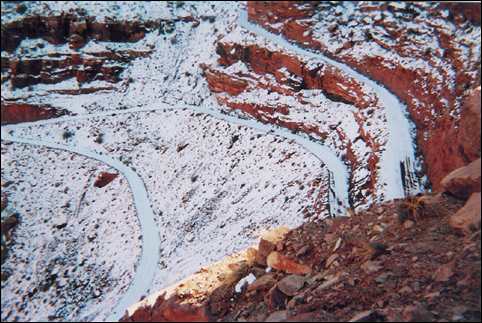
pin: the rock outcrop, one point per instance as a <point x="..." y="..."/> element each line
<point x="468" y="135"/>
<point x="85" y="68"/>
<point x="76" y="30"/>
<point x="463" y="181"/>
<point x="293" y="73"/>
<point x="16" y="112"/>
<point x="28" y="63"/>
<point x="104" y="178"/>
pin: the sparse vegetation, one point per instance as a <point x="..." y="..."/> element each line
<point x="67" y="134"/>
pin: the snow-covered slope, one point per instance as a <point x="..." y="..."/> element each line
<point x="77" y="246"/>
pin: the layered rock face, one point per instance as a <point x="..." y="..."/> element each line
<point x="70" y="28"/>
<point x="49" y="50"/>
<point x="427" y="56"/>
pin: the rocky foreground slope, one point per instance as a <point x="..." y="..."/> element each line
<point x="415" y="259"/>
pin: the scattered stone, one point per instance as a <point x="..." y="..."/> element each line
<point x="291" y="284"/>
<point x="379" y="210"/>
<point x="337" y="244"/>
<point x="21" y="8"/>
<point x="181" y="147"/>
<point x="316" y="278"/>
<point x="316" y="316"/>
<point x="296" y="300"/>
<point x="444" y="272"/>
<point x="277" y="316"/>
<point x="258" y="272"/>
<point x="378" y="249"/>
<point x="417" y="313"/>
<point x="366" y="316"/>
<point x="189" y="237"/>
<point x="382" y="278"/>
<point x="405" y="290"/>
<point x="378" y="228"/>
<point x="459" y="313"/>
<point x="4" y="201"/>
<point x="330" y="281"/>
<point x="76" y="41"/>
<point x="408" y="224"/>
<point x="303" y="251"/>
<point x="9" y="223"/>
<point x="331" y="259"/>
<point x="61" y="222"/>
<point x="371" y="266"/>
<point x="431" y="296"/>
<point x="263" y="283"/>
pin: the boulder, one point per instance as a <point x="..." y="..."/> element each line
<point x="275" y="299"/>
<point x="280" y="262"/>
<point x="463" y="181"/>
<point x="468" y="217"/>
<point x="263" y="283"/>
<point x="291" y="284"/>
<point x="76" y="41"/>
<point x="104" y="178"/>
<point x="267" y="243"/>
